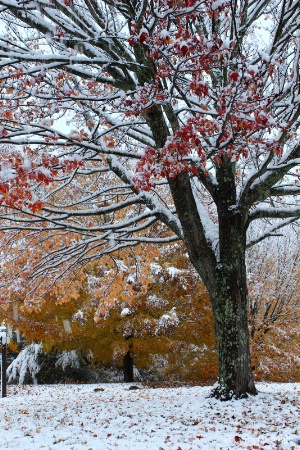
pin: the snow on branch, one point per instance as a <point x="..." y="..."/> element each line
<point x="110" y="115"/>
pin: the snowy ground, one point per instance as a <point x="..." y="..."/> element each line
<point x="76" y="417"/>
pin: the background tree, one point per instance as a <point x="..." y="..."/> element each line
<point x="274" y="307"/>
<point x="166" y="323"/>
<point x="166" y="327"/>
<point x="186" y="101"/>
<point x="169" y="328"/>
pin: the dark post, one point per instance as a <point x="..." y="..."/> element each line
<point x="3" y="359"/>
<point x="128" y="368"/>
<point x="3" y="371"/>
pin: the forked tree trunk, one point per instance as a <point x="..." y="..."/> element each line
<point x="223" y="271"/>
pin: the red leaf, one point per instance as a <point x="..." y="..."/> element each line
<point x="8" y="115"/>
<point x="234" y="76"/>
<point x="143" y="37"/>
<point x="237" y="438"/>
<point x="184" y="49"/>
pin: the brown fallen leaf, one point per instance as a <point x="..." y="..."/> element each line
<point x="238" y="438"/>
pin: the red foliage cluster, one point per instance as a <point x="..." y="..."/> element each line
<point x="236" y="122"/>
<point x="187" y="149"/>
<point x="17" y="176"/>
<point x="144" y="98"/>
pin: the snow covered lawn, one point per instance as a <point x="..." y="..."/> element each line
<point x="77" y="417"/>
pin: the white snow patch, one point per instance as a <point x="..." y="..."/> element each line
<point x="173" y="271"/>
<point x="125" y="312"/>
<point x="78" y="316"/>
<point x="168" y="320"/>
<point x="153" y="301"/>
<point x="76" y="417"/>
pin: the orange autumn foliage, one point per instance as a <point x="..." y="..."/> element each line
<point x="155" y="306"/>
<point x="274" y="310"/>
<point x="168" y="329"/>
<point x="162" y="316"/>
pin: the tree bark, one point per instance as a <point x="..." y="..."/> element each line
<point x="224" y="274"/>
<point x="230" y="307"/>
<point x="229" y="293"/>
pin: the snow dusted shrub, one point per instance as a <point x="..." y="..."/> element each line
<point x="26" y="366"/>
<point x="68" y="360"/>
<point x="32" y="365"/>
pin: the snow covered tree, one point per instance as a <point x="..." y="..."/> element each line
<point x="274" y="307"/>
<point x="273" y="272"/>
<point x="165" y="120"/>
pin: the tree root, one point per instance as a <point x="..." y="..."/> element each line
<point x="224" y="394"/>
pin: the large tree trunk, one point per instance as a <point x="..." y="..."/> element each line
<point x="230" y="306"/>
<point x="229" y="296"/>
<point x="224" y="273"/>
